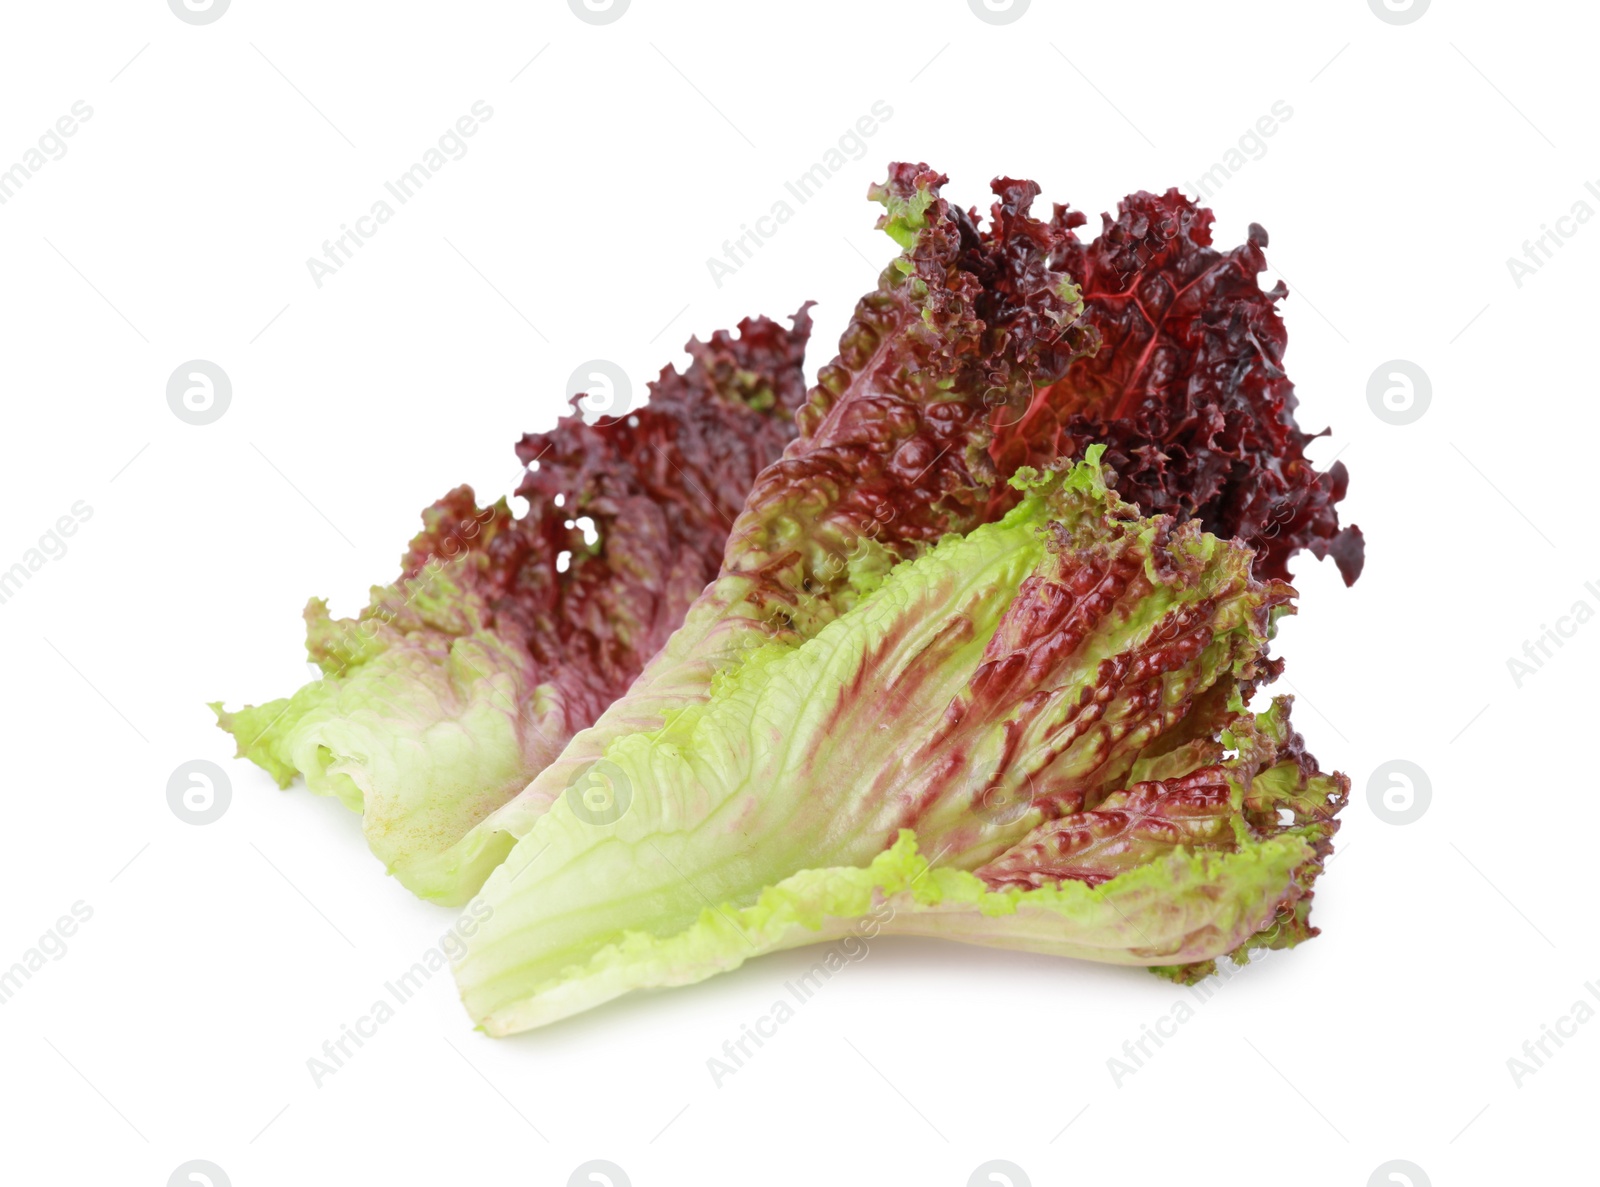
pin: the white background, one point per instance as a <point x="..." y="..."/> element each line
<point x="178" y="1024"/>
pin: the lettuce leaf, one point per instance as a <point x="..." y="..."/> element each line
<point x="489" y="689"/>
<point x="1032" y="735"/>
<point x="505" y="635"/>
<point x="954" y="374"/>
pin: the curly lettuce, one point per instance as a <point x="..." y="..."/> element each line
<point x="1187" y="388"/>
<point x="937" y="671"/>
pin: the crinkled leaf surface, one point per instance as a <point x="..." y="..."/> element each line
<point x="1187" y="388"/>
